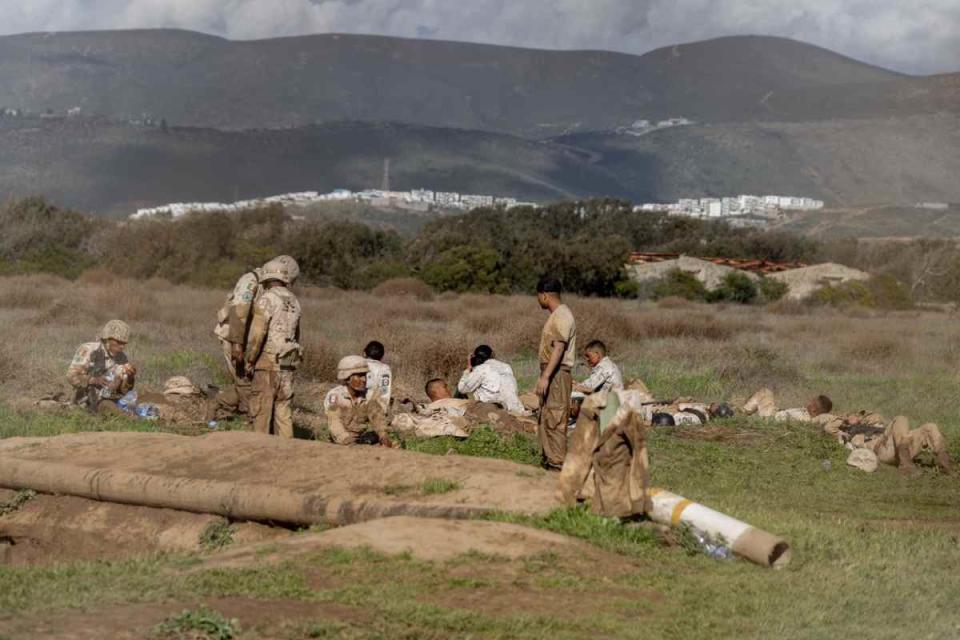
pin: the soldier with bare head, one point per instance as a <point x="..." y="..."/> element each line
<point x="380" y="377"/>
<point x="100" y="372"/>
<point x="558" y="348"/>
<point x="273" y="349"/>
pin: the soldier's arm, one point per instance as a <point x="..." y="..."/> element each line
<point x="556" y="357"/>
<point x="592" y="383"/>
<point x="237" y="317"/>
<point x="258" y="332"/>
<point x="470" y="381"/>
<point x="78" y="374"/>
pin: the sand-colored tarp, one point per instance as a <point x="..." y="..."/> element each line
<point x="257" y="477"/>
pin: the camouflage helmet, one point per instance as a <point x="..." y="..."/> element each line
<point x="117" y="330"/>
<point x="282" y="268"/>
<point x="351" y="365"/>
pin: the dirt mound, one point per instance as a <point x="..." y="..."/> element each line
<point x="60" y="528"/>
<point x="423" y="538"/>
<point x="254" y="477"/>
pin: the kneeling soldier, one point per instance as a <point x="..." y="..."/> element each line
<point x="352" y="418"/>
<point x="100" y="372"/>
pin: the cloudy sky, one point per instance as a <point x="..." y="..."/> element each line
<point x="917" y="36"/>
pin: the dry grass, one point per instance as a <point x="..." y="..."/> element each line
<point x="893" y="363"/>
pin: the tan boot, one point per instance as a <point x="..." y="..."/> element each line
<point x="907" y="468"/>
<point x="943" y="461"/>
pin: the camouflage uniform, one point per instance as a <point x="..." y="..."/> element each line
<point x="493" y="382"/>
<point x="893" y="443"/>
<point x="379" y="382"/>
<point x="605" y="376"/>
<point x="273" y="352"/>
<point x="232" y="323"/>
<point x="349" y="417"/>
<point x="91" y="361"/>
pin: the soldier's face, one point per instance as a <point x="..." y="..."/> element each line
<point x="358" y="382"/>
<point x="115" y="347"/>
<point x="592" y="357"/>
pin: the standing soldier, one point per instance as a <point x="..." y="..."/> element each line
<point x="100" y="371"/>
<point x="558" y="348"/>
<point x="273" y="349"/>
<point x="233" y="322"/>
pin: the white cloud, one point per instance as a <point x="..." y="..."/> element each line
<point x="919" y="36"/>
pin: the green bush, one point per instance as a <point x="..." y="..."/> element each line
<point x="679" y="284"/>
<point x="880" y="292"/>
<point x="772" y="290"/>
<point x="736" y="287"/>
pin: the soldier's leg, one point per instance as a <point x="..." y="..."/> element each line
<point x="579" y="460"/>
<point x="262" y="398"/>
<point x="929" y="437"/>
<point x="553" y="419"/>
<point x="611" y="472"/>
<point x="762" y="403"/>
<point x="283" y="408"/>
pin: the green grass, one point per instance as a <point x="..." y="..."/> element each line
<point x="42" y="424"/>
<point x="217" y="535"/>
<point x="438" y="486"/>
<point x="17" y="501"/>
<point x="484" y="442"/>
<point x="197" y="624"/>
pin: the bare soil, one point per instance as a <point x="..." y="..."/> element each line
<point x="50" y="529"/>
<point x="332" y="473"/>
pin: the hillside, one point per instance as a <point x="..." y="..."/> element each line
<point x="877" y="222"/>
<point x="191" y="79"/>
<point x="111" y="168"/>
<point x="844" y="162"/>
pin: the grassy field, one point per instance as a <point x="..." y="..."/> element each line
<point x="875" y="555"/>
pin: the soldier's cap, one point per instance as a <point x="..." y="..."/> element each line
<point x="116" y="330"/>
<point x="351" y="365"/>
<point x="663" y="420"/>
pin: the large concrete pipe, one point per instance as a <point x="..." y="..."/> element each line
<point x="231" y="499"/>
<point x="743" y="539"/>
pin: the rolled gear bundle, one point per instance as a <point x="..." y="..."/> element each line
<point x="743" y="539"/>
<point x="180" y="386"/>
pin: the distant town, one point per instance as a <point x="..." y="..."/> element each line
<point x="747" y="210"/>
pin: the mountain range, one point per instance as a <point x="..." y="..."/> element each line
<point x="247" y="118"/>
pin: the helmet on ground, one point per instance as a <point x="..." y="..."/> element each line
<point x="351" y="365"/>
<point x="117" y="330"/>
<point x="662" y="420"/>
<point x="863" y="459"/>
<point x="722" y="410"/>
<point x="282" y="268"/>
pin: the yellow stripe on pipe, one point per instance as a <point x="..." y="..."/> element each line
<point x="678" y="511"/>
<point x="654" y="491"/>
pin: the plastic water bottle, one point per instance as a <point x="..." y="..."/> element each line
<point x="148" y="411"/>
<point x="212" y="425"/>
<point x="106" y="391"/>
<point x="128" y="402"/>
<point x="716" y="550"/>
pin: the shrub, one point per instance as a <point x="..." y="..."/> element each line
<point x="879" y="292"/>
<point x="772" y="290"/>
<point x="404" y="287"/>
<point x="680" y="284"/>
<point x="736" y="287"/>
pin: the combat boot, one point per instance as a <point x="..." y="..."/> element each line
<point x="943" y="461"/>
<point x="907" y="468"/>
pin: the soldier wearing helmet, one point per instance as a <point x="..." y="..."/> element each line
<point x="354" y="419"/>
<point x="100" y="372"/>
<point x="273" y="349"/>
<point x="233" y="324"/>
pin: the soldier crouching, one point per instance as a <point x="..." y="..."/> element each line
<point x="100" y="372"/>
<point x="352" y="418"/>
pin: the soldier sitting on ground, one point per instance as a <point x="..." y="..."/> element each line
<point x="604" y="373"/>
<point x="491" y="381"/>
<point x="100" y="372"/>
<point x="869" y="435"/>
<point x="380" y="378"/>
<point x="351" y="417"/>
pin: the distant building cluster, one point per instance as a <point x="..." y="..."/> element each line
<point x="416" y="200"/>
<point x="756" y="209"/>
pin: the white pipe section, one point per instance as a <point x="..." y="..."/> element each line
<point x="743" y="539"/>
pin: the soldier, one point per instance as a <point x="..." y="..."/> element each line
<point x="353" y="419"/>
<point x="100" y="372"/>
<point x="604" y="373"/>
<point x="891" y="442"/>
<point x="233" y="326"/>
<point x="273" y="349"/>
<point x="491" y="381"/>
<point x="558" y="348"/>
<point x="380" y="378"/>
